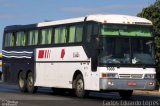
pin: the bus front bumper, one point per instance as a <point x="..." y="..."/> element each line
<point x="127" y="84"/>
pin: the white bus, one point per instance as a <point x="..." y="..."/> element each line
<point x="92" y="53"/>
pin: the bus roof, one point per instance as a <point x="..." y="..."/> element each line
<point x="119" y="19"/>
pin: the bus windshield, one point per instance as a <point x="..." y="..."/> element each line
<point x="114" y="50"/>
<point x="125" y="30"/>
<point x="128" y="49"/>
<point x="142" y="51"/>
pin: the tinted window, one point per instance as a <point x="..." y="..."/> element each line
<point x="91" y="31"/>
<point x="126" y="30"/>
<point x="115" y="51"/>
<point x="33" y="37"/>
<point x="9" y="40"/>
<point x="75" y="33"/>
<point x="60" y="35"/>
<point x="142" y="51"/>
<point x="72" y="31"/>
<point x="46" y="36"/>
<point x="20" y="39"/>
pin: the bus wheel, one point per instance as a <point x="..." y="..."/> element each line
<point x="126" y="94"/>
<point x="22" y="82"/>
<point x="30" y="83"/>
<point x="79" y="87"/>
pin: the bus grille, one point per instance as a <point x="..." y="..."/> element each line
<point x="131" y="76"/>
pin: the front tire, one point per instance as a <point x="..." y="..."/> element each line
<point x="22" y="82"/>
<point x="126" y="94"/>
<point x="30" y="83"/>
<point x="79" y="87"/>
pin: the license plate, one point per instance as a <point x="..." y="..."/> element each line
<point x="132" y="83"/>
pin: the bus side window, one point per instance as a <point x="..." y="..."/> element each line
<point x="92" y="30"/>
<point x="20" y="39"/>
<point x="60" y="35"/>
<point x="46" y="36"/>
<point x="72" y="30"/>
<point x="95" y="29"/>
<point x="33" y="37"/>
<point x="75" y="33"/>
<point x="79" y="33"/>
<point x="9" y="40"/>
<point x="89" y="32"/>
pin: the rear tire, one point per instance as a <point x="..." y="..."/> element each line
<point x="22" y="82"/>
<point x="79" y="87"/>
<point x="126" y="94"/>
<point x="30" y="83"/>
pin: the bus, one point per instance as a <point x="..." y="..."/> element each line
<point x="101" y="53"/>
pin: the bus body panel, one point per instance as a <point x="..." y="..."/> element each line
<point x="51" y="67"/>
<point x="15" y="61"/>
<point x="53" y="75"/>
<point x="127" y="70"/>
<point x="61" y="54"/>
<point x="128" y="78"/>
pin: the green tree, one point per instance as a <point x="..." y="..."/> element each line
<point x="153" y="13"/>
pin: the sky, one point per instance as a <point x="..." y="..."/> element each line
<point x="20" y="12"/>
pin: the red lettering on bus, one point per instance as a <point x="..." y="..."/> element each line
<point x="41" y="54"/>
<point x="62" y="53"/>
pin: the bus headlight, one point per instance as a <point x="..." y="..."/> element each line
<point x="109" y="75"/>
<point x="149" y="76"/>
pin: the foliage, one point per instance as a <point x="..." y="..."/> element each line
<point x="153" y="13"/>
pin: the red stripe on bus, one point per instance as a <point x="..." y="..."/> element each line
<point x="41" y="54"/>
